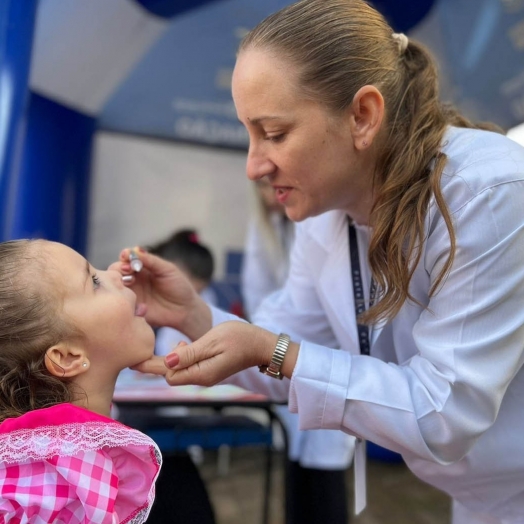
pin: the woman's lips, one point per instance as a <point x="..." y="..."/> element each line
<point x="282" y="194"/>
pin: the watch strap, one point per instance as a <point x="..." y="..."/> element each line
<point x="273" y="369"/>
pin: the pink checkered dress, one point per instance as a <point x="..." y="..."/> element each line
<point x="68" y="465"/>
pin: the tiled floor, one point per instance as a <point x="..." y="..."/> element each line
<point x="395" y="495"/>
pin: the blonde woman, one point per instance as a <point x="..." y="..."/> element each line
<point x="268" y="244"/>
<point x="401" y="321"/>
<point x="316" y="489"/>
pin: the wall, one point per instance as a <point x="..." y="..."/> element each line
<point x="143" y="189"/>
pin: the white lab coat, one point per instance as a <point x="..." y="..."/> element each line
<point x="445" y="384"/>
<point x="167" y="338"/>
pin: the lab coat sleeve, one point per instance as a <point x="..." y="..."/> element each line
<point x="295" y="310"/>
<point x="167" y="339"/>
<point x="251" y="379"/>
<point x="469" y="343"/>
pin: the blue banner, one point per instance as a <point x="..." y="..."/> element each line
<point x="17" y="20"/>
<point x="52" y="200"/>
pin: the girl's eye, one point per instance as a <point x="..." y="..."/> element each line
<point x="96" y="281"/>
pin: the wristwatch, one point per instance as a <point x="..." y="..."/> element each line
<point x="273" y="370"/>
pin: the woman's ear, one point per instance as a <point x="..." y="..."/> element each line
<point x="367" y="113"/>
<point x="62" y="360"/>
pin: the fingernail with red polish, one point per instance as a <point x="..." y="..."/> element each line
<point x="172" y="360"/>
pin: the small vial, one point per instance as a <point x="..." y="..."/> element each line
<point x="135" y="262"/>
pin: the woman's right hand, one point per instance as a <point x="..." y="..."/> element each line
<point x="169" y="296"/>
<point x="224" y="350"/>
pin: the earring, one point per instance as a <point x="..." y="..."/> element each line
<point x="364" y="143"/>
<point x="84" y="364"/>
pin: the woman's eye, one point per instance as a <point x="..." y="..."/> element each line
<point x="96" y="281"/>
<point x="276" y="138"/>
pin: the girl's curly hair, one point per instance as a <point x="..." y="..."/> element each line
<point x="30" y="322"/>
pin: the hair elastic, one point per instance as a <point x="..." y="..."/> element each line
<point x="402" y="41"/>
<point x="193" y="237"/>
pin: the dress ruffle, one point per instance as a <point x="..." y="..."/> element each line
<point x="67" y="464"/>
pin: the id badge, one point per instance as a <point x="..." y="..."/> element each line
<point x="359" y="468"/>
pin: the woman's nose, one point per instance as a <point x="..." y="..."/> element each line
<point x="258" y="164"/>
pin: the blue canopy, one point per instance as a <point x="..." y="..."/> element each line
<point x="163" y="68"/>
<point x="179" y="58"/>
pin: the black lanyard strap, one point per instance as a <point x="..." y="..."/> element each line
<point x="358" y="291"/>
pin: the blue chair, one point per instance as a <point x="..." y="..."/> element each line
<point x="376" y="452"/>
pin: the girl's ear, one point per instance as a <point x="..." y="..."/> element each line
<point x="62" y="360"/>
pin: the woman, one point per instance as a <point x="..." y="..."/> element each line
<point x="344" y="120"/>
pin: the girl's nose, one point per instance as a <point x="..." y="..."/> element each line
<point x="115" y="277"/>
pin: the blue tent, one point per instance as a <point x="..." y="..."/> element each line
<point x="162" y="68"/>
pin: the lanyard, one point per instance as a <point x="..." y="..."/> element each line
<point x="363" y="341"/>
<point x="358" y="290"/>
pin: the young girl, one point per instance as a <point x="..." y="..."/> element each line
<point x="66" y="331"/>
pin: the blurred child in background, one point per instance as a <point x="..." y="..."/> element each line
<point x="266" y="251"/>
<point x="181" y="494"/>
<point x="196" y="261"/>
<point x="316" y="489"/>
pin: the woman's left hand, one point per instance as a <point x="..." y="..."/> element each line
<point x="226" y="349"/>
